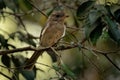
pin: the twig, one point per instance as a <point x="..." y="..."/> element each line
<point x="75" y="28"/>
<point x="105" y="54"/>
<point x="29" y="48"/>
<point x="6" y="76"/>
<point x="17" y="14"/>
<point x="36" y="8"/>
<point x="3" y="52"/>
<point x="111" y="62"/>
<point x="91" y="62"/>
<point x="101" y="52"/>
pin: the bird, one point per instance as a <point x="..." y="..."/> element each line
<point x="53" y="31"/>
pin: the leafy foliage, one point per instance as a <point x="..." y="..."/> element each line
<point x="4" y="43"/>
<point x="95" y="22"/>
<point x="65" y="71"/>
<point x="6" y="60"/>
<point x="23" y="37"/>
<point x="117" y="15"/>
<point x="94" y="26"/>
<point x="113" y="30"/>
<point x="83" y="8"/>
<point x="2" y="4"/>
<point x="20" y="61"/>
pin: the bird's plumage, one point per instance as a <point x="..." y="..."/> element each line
<point x="53" y="31"/>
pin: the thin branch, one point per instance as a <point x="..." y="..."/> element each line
<point x="22" y="23"/>
<point x="101" y="52"/>
<point x="74" y="28"/>
<point x="111" y="62"/>
<point x="98" y="69"/>
<point x="29" y="48"/>
<point x="36" y="8"/>
<point x="6" y="76"/>
<point x="3" y="52"/>
<point x="17" y="14"/>
<point x="105" y="54"/>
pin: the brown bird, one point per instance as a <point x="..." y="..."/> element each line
<point x="53" y="31"/>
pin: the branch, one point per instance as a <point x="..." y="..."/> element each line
<point x="111" y="62"/>
<point x="18" y="14"/>
<point x="30" y="2"/>
<point x="100" y="52"/>
<point x="6" y="76"/>
<point x="3" y="52"/>
<point x="29" y="48"/>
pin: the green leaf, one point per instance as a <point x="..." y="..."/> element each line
<point x="93" y="16"/>
<point x="3" y="42"/>
<point x="68" y="71"/>
<point x="65" y="69"/>
<point x="113" y="29"/>
<point x="23" y="37"/>
<point x="49" y="11"/>
<point x="94" y="26"/>
<point x="19" y="61"/>
<point x="55" y="67"/>
<point x="84" y="8"/>
<point x="6" y="60"/>
<point x="91" y="23"/>
<point x="12" y="4"/>
<point x="25" y="5"/>
<point x="2" y="4"/>
<point x="96" y="33"/>
<point x="117" y="15"/>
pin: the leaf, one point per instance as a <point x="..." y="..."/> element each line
<point x="113" y="29"/>
<point x="2" y="4"/>
<point x="117" y="15"/>
<point x="3" y="42"/>
<point x="68" y="71"/>
<point x="25" y="5"/>
<point x="12" y="4"/>
<point x="94" y="26"/>
<point x="93" y="16"/>
<point x="12" y="35"/>
<point x="19" y="61"/>
<point x="96" y="33"/>
<point x="55" y="67"/>
<point x="49" y="11"/>
<point x="84" y="8"/>
<point x="6" y="60"/>
<point x="24" y="37"/>
<point x="15" y="61"/>
<point x="91" y="24"/>
<point x="75" y="20"/>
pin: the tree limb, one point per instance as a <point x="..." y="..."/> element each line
<point x="63" y="47"/>
<point x="3" y="52"/>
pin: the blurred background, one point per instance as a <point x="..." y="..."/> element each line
<point x="93" y="35"/>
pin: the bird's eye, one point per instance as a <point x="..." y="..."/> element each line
<point x="58" y="16"/>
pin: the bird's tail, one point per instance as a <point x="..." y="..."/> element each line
<point x="31" y="62"/>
